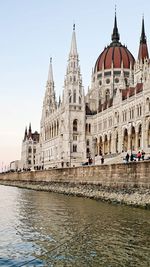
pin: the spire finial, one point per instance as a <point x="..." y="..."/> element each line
<point x="143" y="48"/>
<point x="30" y="127"/>
<point x="115" y="35"/>
<point x="143" y="36"/>
<point x="73" y="50"/>
<point x="50" y="72"/>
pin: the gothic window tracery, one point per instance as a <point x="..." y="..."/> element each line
<point x="87" y="142"/>
<point x="29" y="150"/>
<point x="74" y="148"/>
<point x="147" y="104"/>
<point x="74" y="96"/>
<point x="75" y="125"/>
<point x="69" y="96"/>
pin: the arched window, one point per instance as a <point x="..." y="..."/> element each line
<point x="130" y="113"/>
<point x="57" y="127"/>
<point x="74" y="96"/>
<point x="147" y="104"/>
<point x="69" y="96"/>
<point x="74" y="148"/>
<point x="89" y="128"/>
<point x="75" y="125"/>
<point x="140" y="110"/>
<point x="87" y="142"/>
<point x="29" y="150"/>
<point x="79" y="100"/>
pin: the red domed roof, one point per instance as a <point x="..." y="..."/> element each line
<point x="115" y="54"/>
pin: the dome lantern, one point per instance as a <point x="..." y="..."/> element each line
<point x="115" y="54"/>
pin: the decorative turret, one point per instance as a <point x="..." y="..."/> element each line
<point x="30" y="131"/>
<point x="49" y="104"/>
<point x="143" y="49"/>
<point x="73" y="49"/>
<point x="73" y="90"/>
<point x="25" y="134"/>
<point x="115" y="35"/>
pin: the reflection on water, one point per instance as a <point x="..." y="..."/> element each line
<point x="47" y="229"/>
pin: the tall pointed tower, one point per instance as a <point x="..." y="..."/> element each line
<point x="143" y="49"/>
<point x="74" y="104"/>
<point x="73" y="89"/>
<point x="49" y="103"/>
<point x="30" y="131"/>
<point x="143" y="58"/>
<point x="25" y="134"/>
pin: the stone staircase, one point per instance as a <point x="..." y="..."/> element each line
<point x="115" y="158"/>
<point x="110" y="159"/>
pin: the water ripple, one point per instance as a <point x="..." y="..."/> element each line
<point x="47" y="229"/>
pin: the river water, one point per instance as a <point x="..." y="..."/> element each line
<point x="48" y="229"/>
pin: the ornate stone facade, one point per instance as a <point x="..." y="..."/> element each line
<point x="29" y="149"/>
<point x="112" y="118"/>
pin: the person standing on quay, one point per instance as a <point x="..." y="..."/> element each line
<point x="143" y="154"/>
<point x="102" y="159"/>
<point x="139" y="155"/>
<point x="131" y="157"/>
<point x="127" y="158"/>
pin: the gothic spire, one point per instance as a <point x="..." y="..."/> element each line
<point x="73" y="49"/>
<point x="25" y="134"/>
<point x="143" y="36"/>
<point x="50" y="72"/>
<point x="143" y="49"/>
<point x="49" y="99"/>
<point x="30" y="130"/>
<point x="73" y="89"/>
<point x="30" y="127"/>
<point x="115" y="35"/>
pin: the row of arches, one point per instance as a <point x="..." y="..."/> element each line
<point x="131" y="139"/>
<point x="51" y="130"/>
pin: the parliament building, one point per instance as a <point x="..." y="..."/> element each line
<point x="112" y="118"/>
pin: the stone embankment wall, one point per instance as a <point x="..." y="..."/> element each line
<point x="122" y="183"/>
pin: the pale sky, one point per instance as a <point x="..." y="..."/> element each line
<point x="33" y="30"/>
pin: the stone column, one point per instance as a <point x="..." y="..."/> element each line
<point x="136" y="141"/>
<point x="113" y="145"/>
<point x="98" y="147"/>
<point x="143" y="136"/>
<point x="103" y="146"/>
<point x="146" y="139"/>
<point x="129" y="141"/>
<point x="108" y="140"/>
<point x="120" y="143"/>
